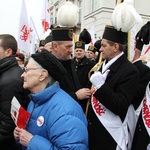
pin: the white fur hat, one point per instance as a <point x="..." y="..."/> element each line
<point x="68" y="15"/>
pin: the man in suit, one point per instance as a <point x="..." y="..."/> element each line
<point x="144" y="72"/>
<point x="114" y="89"/>
<point x="141" y="136"/>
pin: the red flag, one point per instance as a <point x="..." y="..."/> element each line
<point x="19" y="114"/>
<point x="45" y="16"/>
<point x="24" y="31"/>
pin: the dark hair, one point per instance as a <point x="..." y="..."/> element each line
<point x="121" y="46"/>
<point x="8" y="41"/>
<point x="20" y="56"/>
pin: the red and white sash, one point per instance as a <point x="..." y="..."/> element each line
<point x="146" y="109"/>
<point x="117" y="129"/>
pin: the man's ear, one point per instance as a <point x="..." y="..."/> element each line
<point x="116" y="46"/>
<point x="8" y="52"/>
<point x="54" y="46"/>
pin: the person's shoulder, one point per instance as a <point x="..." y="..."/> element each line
<point x="64" y="98"/>
<point x="145" y="68"/>
<point x="126" y="66"/>
<point x="91" y="62"/>
<point x="17" y="70"/>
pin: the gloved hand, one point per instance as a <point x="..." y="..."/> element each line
<point x="98" y="79"/>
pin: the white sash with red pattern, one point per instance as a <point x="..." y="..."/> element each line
<point x="117" y="129"/>
<point x="146" y="109"/>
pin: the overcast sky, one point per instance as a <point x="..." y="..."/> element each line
<point x="10" y="14"/>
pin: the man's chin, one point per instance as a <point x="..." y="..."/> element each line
<point x="24" y="86"/>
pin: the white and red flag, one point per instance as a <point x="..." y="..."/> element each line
<point x="19" y="114"/>
<point x="24" y="31"/>
<point x="45" y="16"/>
<point x="92" y="32"/>
<point x="33" y="37"/>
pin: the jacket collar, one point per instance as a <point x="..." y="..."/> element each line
<point x="44" y="95"/>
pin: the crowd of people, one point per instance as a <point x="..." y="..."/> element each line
<point x="55" y="88"/>
<point x="77" y="99"/>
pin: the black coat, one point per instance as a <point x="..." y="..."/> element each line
<point x="141" y="138"/>
<point x="69" y="83"/>
<point x="82" y="68"/>
<point x="11" y="84"/>
<point x="144" y="72"/>
<point x="116" y="94"/>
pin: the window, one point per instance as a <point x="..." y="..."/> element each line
<point x="94" y="5"/>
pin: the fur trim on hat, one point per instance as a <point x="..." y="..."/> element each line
<point x="50" y="63"/>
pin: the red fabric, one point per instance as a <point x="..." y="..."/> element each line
<point x="22" y="118"/>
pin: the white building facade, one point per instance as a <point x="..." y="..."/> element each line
<point x="97" y="13"/>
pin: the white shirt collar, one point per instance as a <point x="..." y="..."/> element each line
<point x="106" y="66"/>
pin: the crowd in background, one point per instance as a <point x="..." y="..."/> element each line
<point x="75" y="98"/>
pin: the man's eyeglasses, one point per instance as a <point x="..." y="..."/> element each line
<point x="25" y="69"/>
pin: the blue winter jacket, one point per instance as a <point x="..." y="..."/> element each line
<point x="57" y="121"/>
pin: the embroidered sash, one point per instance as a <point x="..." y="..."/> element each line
<point x="122" y="133"/>
<point x="146" y="109"/>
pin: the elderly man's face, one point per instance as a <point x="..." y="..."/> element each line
<point x="62" y="50"/>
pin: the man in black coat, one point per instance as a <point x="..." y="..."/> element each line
<point x="141" y="137"/>
<point x="114" y="89"/>
<point x="62" y="48"/>
<point x="11" y="84"/>
<point x="144" y="72"/>
<point x="82" y="66"/>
